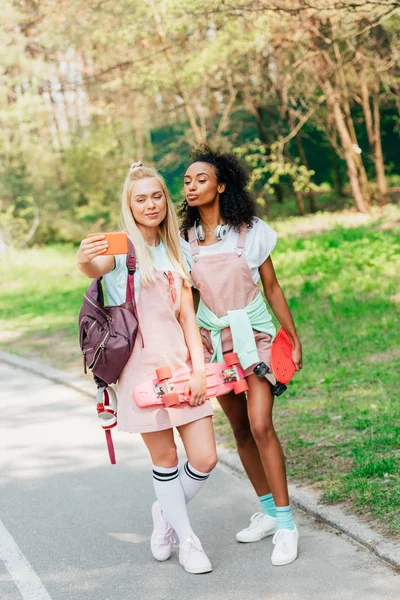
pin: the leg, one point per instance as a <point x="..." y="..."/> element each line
<point x="171" y="498"/>
<point x="260" y="403"/>
<point x="198" y="439"/>
<point x="162" y="448"/>
<point x="261" y="525"/>
<point x="169" y="492"/>
<point x="235" y="408"/>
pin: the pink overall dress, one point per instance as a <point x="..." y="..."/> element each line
<point x="225" y="283"/>
<point x="164" y="345"/>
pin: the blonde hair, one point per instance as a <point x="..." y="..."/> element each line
<point x="168" y="230"/>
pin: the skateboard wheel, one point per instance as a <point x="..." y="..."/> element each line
<point x="163" y="373"/>
<point x="261" y="370"/>
<point x="171" y="399"/>
<point x="240" y="386"/>
<point x="231" y="359"/>
<point x="278" y="388"/>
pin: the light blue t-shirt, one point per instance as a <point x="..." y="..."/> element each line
<point x="115" y="281"/>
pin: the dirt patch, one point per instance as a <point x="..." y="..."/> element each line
<point x="384" y="356"/>
<point x="390" y="226"/>
<point x="387" y="218"/>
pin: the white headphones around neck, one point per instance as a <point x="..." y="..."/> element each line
<point x="220" y="231"/>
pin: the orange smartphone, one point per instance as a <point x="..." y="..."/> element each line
<point x="117" y="242"/>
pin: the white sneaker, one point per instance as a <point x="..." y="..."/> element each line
<point x="163" y="536"/>
<point x="285" y="551"/>
<point x="260" y="527"/>
<point x="192" y="556"/>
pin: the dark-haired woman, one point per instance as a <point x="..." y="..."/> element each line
<point x="230" y="251"/>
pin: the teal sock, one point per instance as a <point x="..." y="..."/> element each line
<point x="284" y="518"/>
<point x="268" y="505"/>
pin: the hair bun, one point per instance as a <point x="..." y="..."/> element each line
<point x="135" y="165"/>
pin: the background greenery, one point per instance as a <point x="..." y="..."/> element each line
<point x="307" y="93"/>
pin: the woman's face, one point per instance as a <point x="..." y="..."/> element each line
<point x="201" y="186"/>
<point x="148" y="202"/>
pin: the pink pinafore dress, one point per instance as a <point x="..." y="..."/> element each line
<point x="225" y="283"/>
<point x="164" y="345"/>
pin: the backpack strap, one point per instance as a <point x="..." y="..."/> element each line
<point x="131" y="266"/>
<point x="130" y="284"/>
<point x="107" y="412"/>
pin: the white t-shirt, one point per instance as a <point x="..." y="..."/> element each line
<point x="260" y="241"/>
<point x="115" y="281"/>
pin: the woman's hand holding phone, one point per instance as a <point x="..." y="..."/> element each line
<point x="117" y="242"/>
<point x="102" y="244"/>
<point x="92" y="246"/>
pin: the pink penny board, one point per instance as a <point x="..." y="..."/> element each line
<point x="169" y="389"/>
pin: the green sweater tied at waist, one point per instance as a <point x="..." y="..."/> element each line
<point x="242" y="322"/>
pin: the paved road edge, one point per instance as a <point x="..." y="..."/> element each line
<point x="303" y="497"/>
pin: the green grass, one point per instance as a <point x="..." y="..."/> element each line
<point x="40" y="299"/>
<point x="44" y="290"/>
<point x="339" y="420"/>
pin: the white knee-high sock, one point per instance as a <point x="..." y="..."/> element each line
<point x="172" y="501"/>
<point x="191" y="480"/>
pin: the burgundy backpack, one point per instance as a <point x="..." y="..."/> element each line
<point x="106" y="336"/>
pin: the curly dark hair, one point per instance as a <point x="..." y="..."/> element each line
<point x="236" y="204"/>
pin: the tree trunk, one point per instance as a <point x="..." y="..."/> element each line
<point x="378" y="154"/>
<point x="362" y="201"/>
<point x="199" y="132"/>
<point x="349" y="123"/>
<point x="362" y="175"/>
<point x="372" y="124"/>
<point x="366" y="108"/>
<point x="300" y="203"/>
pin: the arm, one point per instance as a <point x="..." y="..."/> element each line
<point x="277" y="302"/>
<point x="187" y="320"/>
<point x="89" y="260"/>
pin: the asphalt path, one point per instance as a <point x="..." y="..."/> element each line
<point x="73" y="527"/>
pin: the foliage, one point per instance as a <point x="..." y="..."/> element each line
<point x="269" y="167"/>
<point x="19" y="221"/>
<point x="87" y="88"/>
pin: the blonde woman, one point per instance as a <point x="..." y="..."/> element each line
<point x="168" y="336"/>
